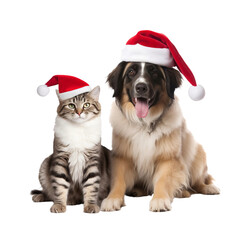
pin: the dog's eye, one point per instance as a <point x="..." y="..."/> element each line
<point x="151" y="68"/>
<point x="153" y="71"/>
<point x="131" y="73"/>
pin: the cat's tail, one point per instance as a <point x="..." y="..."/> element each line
<point x="33" y="192"/>
<point x="39" y="196"/>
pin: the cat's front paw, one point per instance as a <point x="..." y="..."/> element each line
<point x="91" y="208"/>
<point x="112" y="204"/>
<point x="58" y="208"/>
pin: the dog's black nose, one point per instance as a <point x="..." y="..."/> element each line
<point x="141" y="88"/>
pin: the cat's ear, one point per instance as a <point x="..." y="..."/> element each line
<point x="95" y="93"/>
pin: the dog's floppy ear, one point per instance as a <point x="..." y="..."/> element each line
<point x="173" y="80"/>
<point x="115" y="79"/>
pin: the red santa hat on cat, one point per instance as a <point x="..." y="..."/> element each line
<point x="156" y="48"/>
<point x="68" y="86"/>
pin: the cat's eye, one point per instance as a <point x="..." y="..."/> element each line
<point x="71" y="106"/>
<point x="86" y="105"/>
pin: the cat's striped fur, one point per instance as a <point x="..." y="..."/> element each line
<point x="77" y="171"/>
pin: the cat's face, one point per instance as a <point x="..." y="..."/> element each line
<point x="80" y="108"/>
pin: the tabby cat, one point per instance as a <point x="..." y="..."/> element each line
<point x="77" y="171"/>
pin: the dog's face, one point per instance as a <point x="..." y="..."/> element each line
<point x="144" y="85"/>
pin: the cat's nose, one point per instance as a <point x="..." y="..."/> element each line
<point x="79" y="111"/>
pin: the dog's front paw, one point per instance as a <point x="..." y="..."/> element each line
<point x="112" y="204"/>
<point x="160" y="205"/>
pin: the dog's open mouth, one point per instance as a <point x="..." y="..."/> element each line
<point x="141" y="107"/>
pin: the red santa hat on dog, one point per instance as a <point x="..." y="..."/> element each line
<point x="152" y="47"/>
<point x="68" y="86"/>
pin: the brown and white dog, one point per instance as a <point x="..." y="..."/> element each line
<point x="152" y="148"/>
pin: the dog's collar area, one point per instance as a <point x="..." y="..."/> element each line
<point x="154" y="124"/>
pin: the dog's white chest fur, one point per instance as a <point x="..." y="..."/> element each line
<point x="77" y="140"/>
<point x="142" y="144"/>
<point x="143" y="151"/>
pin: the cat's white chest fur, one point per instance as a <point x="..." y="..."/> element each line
<point x="77" y="139"/>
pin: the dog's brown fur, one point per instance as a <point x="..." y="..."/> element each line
<point x="164" y="160"/>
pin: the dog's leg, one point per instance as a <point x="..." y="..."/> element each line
<point x="122" y="178"/>
<point x="168" y="179"/>
<point x="201" y="181"/>
<point x="183" y="193"/>
<point x="206" y="186"/>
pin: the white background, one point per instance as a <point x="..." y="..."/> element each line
<point x="84" y="38"/>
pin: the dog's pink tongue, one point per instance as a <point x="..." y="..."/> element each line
<point x="141" y="108"/>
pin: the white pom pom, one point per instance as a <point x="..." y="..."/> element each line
<point x="196" y="93"/>
<point x="43" y="90"/>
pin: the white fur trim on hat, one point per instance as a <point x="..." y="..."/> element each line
<point x="139" y="53"/>
<point x="73" y="93"/>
